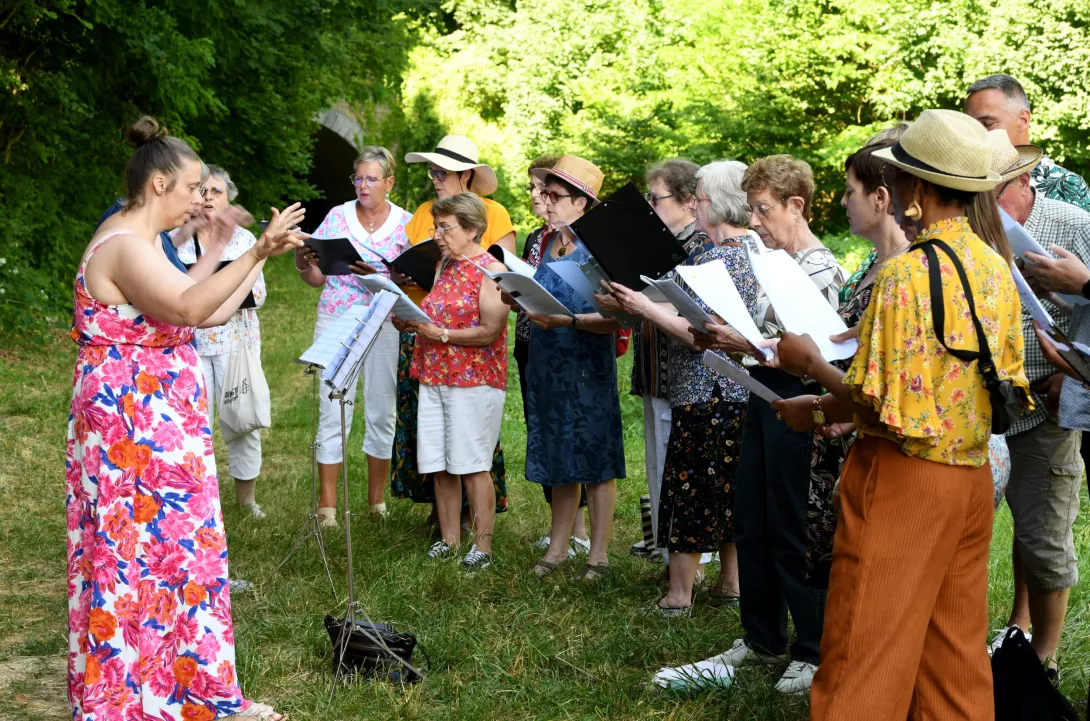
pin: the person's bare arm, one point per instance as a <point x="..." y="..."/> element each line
<point x="231" y="305"/>
<point x="493" y="313"/>
<point x="508" y="242"/>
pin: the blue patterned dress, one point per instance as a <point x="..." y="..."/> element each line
<point x="573" y="413"/>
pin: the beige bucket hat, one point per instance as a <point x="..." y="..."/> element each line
<point x="1011" y="160"/>
<point x="946" y="148"/>
<point x="457" y="153"/>
<point x="581" y="173"/>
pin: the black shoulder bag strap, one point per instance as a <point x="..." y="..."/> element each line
<point x="1006" y="406"/>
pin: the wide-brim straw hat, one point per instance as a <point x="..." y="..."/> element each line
<point x="946" y="148"/>
<point x="457" y="153"/>
<point x="1011" y="160"/>
<point x="581" y="173"/>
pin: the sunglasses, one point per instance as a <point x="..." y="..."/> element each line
<point x="551" y="196"/>
<point x="438" y="174"/>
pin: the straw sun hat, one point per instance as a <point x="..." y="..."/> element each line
<point x="946" y="148"/>
<point x="581" y="173"/>
<point x="1010" y="160"/>
<point x="457" y="153"/>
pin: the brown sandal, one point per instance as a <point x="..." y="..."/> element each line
<point x="543" y="568"/>
<point x="592" y="572"/>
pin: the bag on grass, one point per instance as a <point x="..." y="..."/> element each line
<point x="1022" y="690"/>
<point x="375" y="650"/>
<point x="244" y="406"/>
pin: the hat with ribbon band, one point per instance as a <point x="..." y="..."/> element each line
<point x="946" y="148"/>
<point x="580" y="173"/>
<point x="457" y="153"/>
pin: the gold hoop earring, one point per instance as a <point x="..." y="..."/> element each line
<point x="914" y="211"/>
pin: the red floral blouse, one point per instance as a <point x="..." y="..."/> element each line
<point x="454" y="304"/>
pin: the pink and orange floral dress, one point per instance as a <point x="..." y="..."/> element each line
<point x="149" y="611"/>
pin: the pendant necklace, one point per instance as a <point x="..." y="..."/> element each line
<point x="563" y="248"/>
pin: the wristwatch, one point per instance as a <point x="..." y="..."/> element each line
<point x="818" y="414"/>
<point x="445" y="337"/>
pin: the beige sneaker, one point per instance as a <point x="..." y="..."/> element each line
<point x="797" y="678"/>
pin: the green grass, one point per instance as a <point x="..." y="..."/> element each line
<point x="502" y="645"/>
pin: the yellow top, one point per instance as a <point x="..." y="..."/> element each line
<point x="930" y="403"/>
<point x="422" y="227"/>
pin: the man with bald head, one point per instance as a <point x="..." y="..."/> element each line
<point x="998" y="101"/>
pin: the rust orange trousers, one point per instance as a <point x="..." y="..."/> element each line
<point x="906" y="621"/>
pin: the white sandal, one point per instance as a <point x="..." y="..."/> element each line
<point x="260" y="711"/>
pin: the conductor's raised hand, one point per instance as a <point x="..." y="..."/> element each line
<point x="281" y="234"/>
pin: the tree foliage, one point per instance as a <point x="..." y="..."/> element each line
<point x="243" y="81"/>
<point x="624" y="84"/>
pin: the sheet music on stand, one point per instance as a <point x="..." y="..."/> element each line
<point x="324" y="350"/>
<point x="347" y="360"/>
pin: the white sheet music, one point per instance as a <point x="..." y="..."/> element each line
<point x="341" y="373"/>
<point x="528" y="292"/>
<point x="324" y="350"/>
<point x="712" y="282"/>
<point x="1021" y="241"/>
<point x="799" y="305"/>
<point x="723" y="367"/>
<point x="514" y="263"/>
<point x="1030" y="301"/>
<point x="683" y="303"/>
<point x="404" y="308"/>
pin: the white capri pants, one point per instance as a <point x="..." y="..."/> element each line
<point x="243" y="451"/>
<point x="379" y="399"/>
<point x="457" y="428"/>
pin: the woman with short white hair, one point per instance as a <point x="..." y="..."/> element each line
<point x="215" y="345"/>
<point x="695" y="514"/>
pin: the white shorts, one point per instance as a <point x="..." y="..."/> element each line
<point x="244" y="450"/>
<point x="379" y="399"/>
<point x="457" y="428"/>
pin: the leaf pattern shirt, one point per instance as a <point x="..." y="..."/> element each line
<point x="1059" y="183"/>
<point x="931" y="404"/>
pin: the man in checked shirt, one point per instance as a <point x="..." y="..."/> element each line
<point x="1046" y="467"/>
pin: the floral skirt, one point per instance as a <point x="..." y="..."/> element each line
<point x="696" y="507"/>
<point x="405" y="482"/>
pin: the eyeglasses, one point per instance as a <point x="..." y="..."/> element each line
<point x="531" y="188"/>
<point x="654" y="199"/>
<point x="371" y="182"/>
<point x="438" y="174"/>
<point x="764" y="210"/>
<point x="216" y="192"/>
<point x="704" y="199"/>
<point x="551" y="196"/>
<point x="444" y="228"/>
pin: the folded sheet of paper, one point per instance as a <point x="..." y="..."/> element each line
<point x="514" y="263"/>
<point x="725" y="368"/>
<point x="713" y="284"/>
<point x="799" y="305"/>
<point x="683" y="303"/>
<point x="404" y="308"/>
<point x="1021" y="242"/>
<point x="531" y="296"/>
<point x="1030" y="301"/>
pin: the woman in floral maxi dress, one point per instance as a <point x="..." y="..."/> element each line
<point x="150" y="631"/>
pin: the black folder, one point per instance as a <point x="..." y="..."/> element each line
<point x="249" y="302"/>
<point x="628" y="239"/>
<point x="418" y="262"/>
<point x="335" y="255"/>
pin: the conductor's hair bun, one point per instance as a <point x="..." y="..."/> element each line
<point x="144" y="130"/>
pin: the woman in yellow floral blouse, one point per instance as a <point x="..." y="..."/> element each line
<point x="907" y="617"/>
